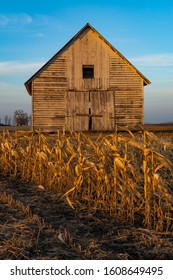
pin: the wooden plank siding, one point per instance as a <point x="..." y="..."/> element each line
<point x="88" y="50"/>
<point x="49" y="95"/>
<point x="62" y="98"/>
<point x="129" y="94"/>
<point x="102" y="110"/>
<point x="77" y="111"/>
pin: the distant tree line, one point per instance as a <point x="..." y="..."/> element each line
<point x="19" y="118"/>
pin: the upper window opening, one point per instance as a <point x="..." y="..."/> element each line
<point x="88" y="71"/>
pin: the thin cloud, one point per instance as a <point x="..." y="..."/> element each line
<point x="10" y="88"/>
<point x="18" y="68"/>
<point x="15" y="19"/>
<point x="11" y="94"/>
<point x="39" y="35"/>
<point x="13" y="97"/>
<point x="26" y="19"/>
<point x="42" y="19"/>
<point x="37" y="26"/>
<point x="162" y="60"/>
<point x="21" y="19"/>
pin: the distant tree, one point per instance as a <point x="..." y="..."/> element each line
<point x="20" y="118"/>
<point x="9" y="121"/>
<point x="29" y="120"/>
<point x="6" y="120"/>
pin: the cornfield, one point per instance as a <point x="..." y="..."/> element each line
<point x="127" y="176"/>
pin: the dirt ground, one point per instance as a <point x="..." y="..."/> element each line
<point x="150" y="127"/>
<point x="39" y="224"/>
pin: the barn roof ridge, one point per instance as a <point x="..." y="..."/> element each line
<point x="74" y="38"/>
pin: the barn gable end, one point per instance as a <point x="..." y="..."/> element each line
<point x="87" y="85"/>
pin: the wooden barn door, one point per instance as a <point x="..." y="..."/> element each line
<point x="102" y="110"/>
<point x="77" y="116"/>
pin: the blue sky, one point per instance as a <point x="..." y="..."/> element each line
<point x="31" y="32"/>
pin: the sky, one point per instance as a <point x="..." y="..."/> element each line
<point x="31" y="32"/>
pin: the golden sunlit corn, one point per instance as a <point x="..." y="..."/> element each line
<point x="126" y="176"/>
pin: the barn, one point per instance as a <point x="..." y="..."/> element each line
<point x="87" y="85"/>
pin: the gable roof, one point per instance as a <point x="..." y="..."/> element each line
<point x="77" y="36"/>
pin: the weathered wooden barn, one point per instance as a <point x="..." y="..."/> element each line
<point x="87" y="85"/>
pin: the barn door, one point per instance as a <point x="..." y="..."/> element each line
<point x="102" y="110"/>
<point x="77" y="116"/>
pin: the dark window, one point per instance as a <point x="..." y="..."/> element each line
<point x="88" y="71"/>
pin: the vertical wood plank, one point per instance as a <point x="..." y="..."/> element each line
<point x="77" y="110"/>
<point x="102" y="110"/>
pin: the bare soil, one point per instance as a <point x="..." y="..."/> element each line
<point x="38" y="224"/>
<point x="167" y="127"/>
<point x="150" y="127"/>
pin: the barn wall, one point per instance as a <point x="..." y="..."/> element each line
<point x="63" y="75"/>
<point x="88" y="50"/>
<point x="129" y="93"/>
<point x="49" y="93"/>
<point x="111" y="72"/>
